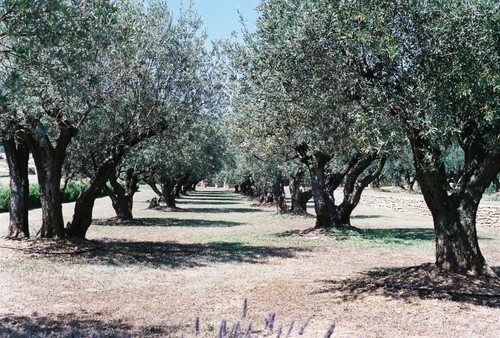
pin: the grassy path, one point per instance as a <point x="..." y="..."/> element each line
<point x="154" y="277"/>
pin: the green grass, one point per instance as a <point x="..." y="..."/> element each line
<point x="402" y="236"/>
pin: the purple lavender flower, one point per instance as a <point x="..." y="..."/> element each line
<point x="223" y="329"/>
<point x="197" y="325"/>
<point x="301" y="329"/>
<point x="249" y="330"/>
<point x="280" y="329"/>
<point x="329" y="332"/>
<point x="245" y="307"/>
<point x="270" y="321"/>
<point x="290" y="329"/>
<point x="236" y="329"/>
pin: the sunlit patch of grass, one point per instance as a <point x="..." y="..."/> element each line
<point x="398" y="236"/>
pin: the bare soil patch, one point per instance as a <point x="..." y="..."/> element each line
<point x="160" y="274"/>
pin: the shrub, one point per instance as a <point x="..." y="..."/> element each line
<point x="34" y="197"/>
<point x="4" y="198"/>
<point x="70" y="193"/>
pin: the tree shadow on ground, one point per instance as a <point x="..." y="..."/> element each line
<point x="168" y="223"/>
<point x="388" y="236"/>
<point x="424" y="282"/>
<point x="215" y="194"/>
<point x="207" y="201"/>
<point x="67" y="325"/>
<point x="177" y="255"/>
<point x="71" y="325"/>
<point x="222" y="210"/>
<point x="152" y="254"/>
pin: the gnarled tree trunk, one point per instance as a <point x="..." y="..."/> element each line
<point x="454" y="212"/>
<point x="84" y="205"/>
<point x="299" y="198"/>
<point x="180" y="185"/>
<point x="457" y="247"/>
<point x="353" y="187"/>
<point x="151" y="182"/>
<point x="82" y="216"/>
<point x="49" y="160"/>
<point x="17" y="154"/>
<point x="122" y="197"/>
<point x="247" y="187"/>
<point x="168" y="192"/>
<point x="323" y="203"/>
<point x="279" y="195"/>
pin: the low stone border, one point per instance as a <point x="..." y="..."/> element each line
<point x="487" y="215"/>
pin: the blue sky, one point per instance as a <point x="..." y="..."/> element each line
<point x="221" y="16"/>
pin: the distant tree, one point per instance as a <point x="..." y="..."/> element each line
<point x="399" y="170"/>
<point x="178" y="161"/>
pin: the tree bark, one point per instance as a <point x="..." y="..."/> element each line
<point x="82" y="216"/>
<point x="168" y="192"/>
<point x="84" y="205"/>
<point x="323" y="204"/>
<point x="454" y="212"/>
<point x="49" y="160"/>
<point x="153" y="186"/>
<point x="180" y="186"/>
<point x="299" y="198"/>
<point x="247" y="187"/>
<point x="457" y="247"/>
<point x="279" y="195"/>
<point x="354" y="187"/>
<point x="17" y="154"/>
<point x="122" y="197"/>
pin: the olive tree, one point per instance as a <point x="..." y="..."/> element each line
<point x="296" y="90"/>
<point x="178" y="161"/>
<point x="155" y="81"/>
<point x="50" y="50"/>
<point x="435" y="64"/>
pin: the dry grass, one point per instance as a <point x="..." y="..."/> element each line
<point x="154" y="277"/>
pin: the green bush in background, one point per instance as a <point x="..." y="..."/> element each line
<point x="4" y="198"/>
<point x="70" y="193"/>
<point x="34" y="197"/>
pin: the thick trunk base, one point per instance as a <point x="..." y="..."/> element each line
<point x="457" y="247"/>
<point x="17" y="154"/>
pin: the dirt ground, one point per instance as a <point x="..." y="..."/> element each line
<point x="161" y="276"/>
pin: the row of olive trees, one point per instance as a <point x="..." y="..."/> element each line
<point x="343" y="85"/>
<point x="82" y="84"/>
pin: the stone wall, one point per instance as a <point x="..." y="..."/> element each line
<point x="487" y="215"/>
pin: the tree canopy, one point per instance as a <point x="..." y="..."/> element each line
<point x="112" y="90"/>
